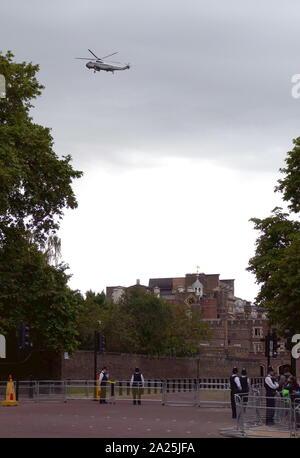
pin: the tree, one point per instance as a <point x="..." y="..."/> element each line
<point x="90" y="318"/>
<point x="290" y="184"/>
<point x="35" y="185"/>
<point x="52" y="249"/>
<point x="186" y="329"/>
<point x="118" y="327"/>
<point x="143" y="323"/>
<point x="35" y="188"/>
<point x="276" y="263"/>
<point x="34" y="293"/>
<point x="145" y="316"/>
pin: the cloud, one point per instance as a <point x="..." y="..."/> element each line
<point x="208" y="80"/>
<point x="179" y="151"/>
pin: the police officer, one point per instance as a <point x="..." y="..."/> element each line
<point x="271" y="386"/>
<point x="103" y="382"/>
<point x="235" y="387"/>
<point x="137" y="384"/>
<point x="245" y="384"/>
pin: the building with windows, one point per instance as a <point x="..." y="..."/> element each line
<point x="238" y="327"/>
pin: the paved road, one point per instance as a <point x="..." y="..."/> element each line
<point x="89" y="419"/>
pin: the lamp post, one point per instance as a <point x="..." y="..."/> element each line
<point x="95" y="354"/>
<point x="288" y="345"/>
<point x="96" y="349"/>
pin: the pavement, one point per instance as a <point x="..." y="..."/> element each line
<point x="123" y="420"/>
<point x="89" y="419"/>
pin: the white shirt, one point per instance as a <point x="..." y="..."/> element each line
<point x="273" y="385"/>
<point x="101" y="376"/>
<point x="237" y="382"/>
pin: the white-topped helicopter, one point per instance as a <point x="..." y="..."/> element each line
<point x="99" y="64"/>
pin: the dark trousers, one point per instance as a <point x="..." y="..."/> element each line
<point x="103" y="394"/>
<point x="136" y="394"/>
<point x="270" y="410"/>
<point x="233" y="405"/>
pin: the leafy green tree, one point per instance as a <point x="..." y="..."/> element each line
<point x="146" y="317"/>
<point x="35" y="188"/>
<point x="35" y="185"/>
<point x="119" y="329"/>
<point x="90" y="318"/>
<point x="276" y="263"/>
<point x="186" y="329"/>
<point x="143" y="323"/>
<point x="290" y="184"/>
<point x="34" y="293"/>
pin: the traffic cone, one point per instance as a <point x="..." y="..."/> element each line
<point x="10" y="398"/>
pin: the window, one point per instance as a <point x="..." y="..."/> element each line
<point x="258" y="347"/>
<point x="258" y="332"/>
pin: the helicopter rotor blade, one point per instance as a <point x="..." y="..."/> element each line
<point x="94" y="54"/>
<point x="85" y="58"/>
<point x="109" y="55"/>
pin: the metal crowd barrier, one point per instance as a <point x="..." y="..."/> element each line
<point x="37" y="391"/>
<point x="177" y="394"/>
<point x="151" y="392"/>
<point x="214" y="395"/>
<point x="119" y="390"/>
<point x="257" y="418"/>
<point x="200" y="392"/>
<point x="62" y="391"/>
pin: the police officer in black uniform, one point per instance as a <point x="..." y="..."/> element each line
<point x="137" y="384"/>
<point x="271" y="385"/>
<point x="245" y="384"/>
<point x="235" y="387"/>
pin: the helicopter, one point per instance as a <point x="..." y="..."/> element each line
<point x="99" y="64"/>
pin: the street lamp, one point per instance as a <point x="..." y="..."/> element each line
<point x="96" y="349"/>
<point x="288" y="345"/>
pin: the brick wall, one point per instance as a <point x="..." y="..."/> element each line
<point x="209" y="308"/>
<point x="81" y="366"/>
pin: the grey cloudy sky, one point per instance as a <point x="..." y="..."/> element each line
<point x="180" y="150"/>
